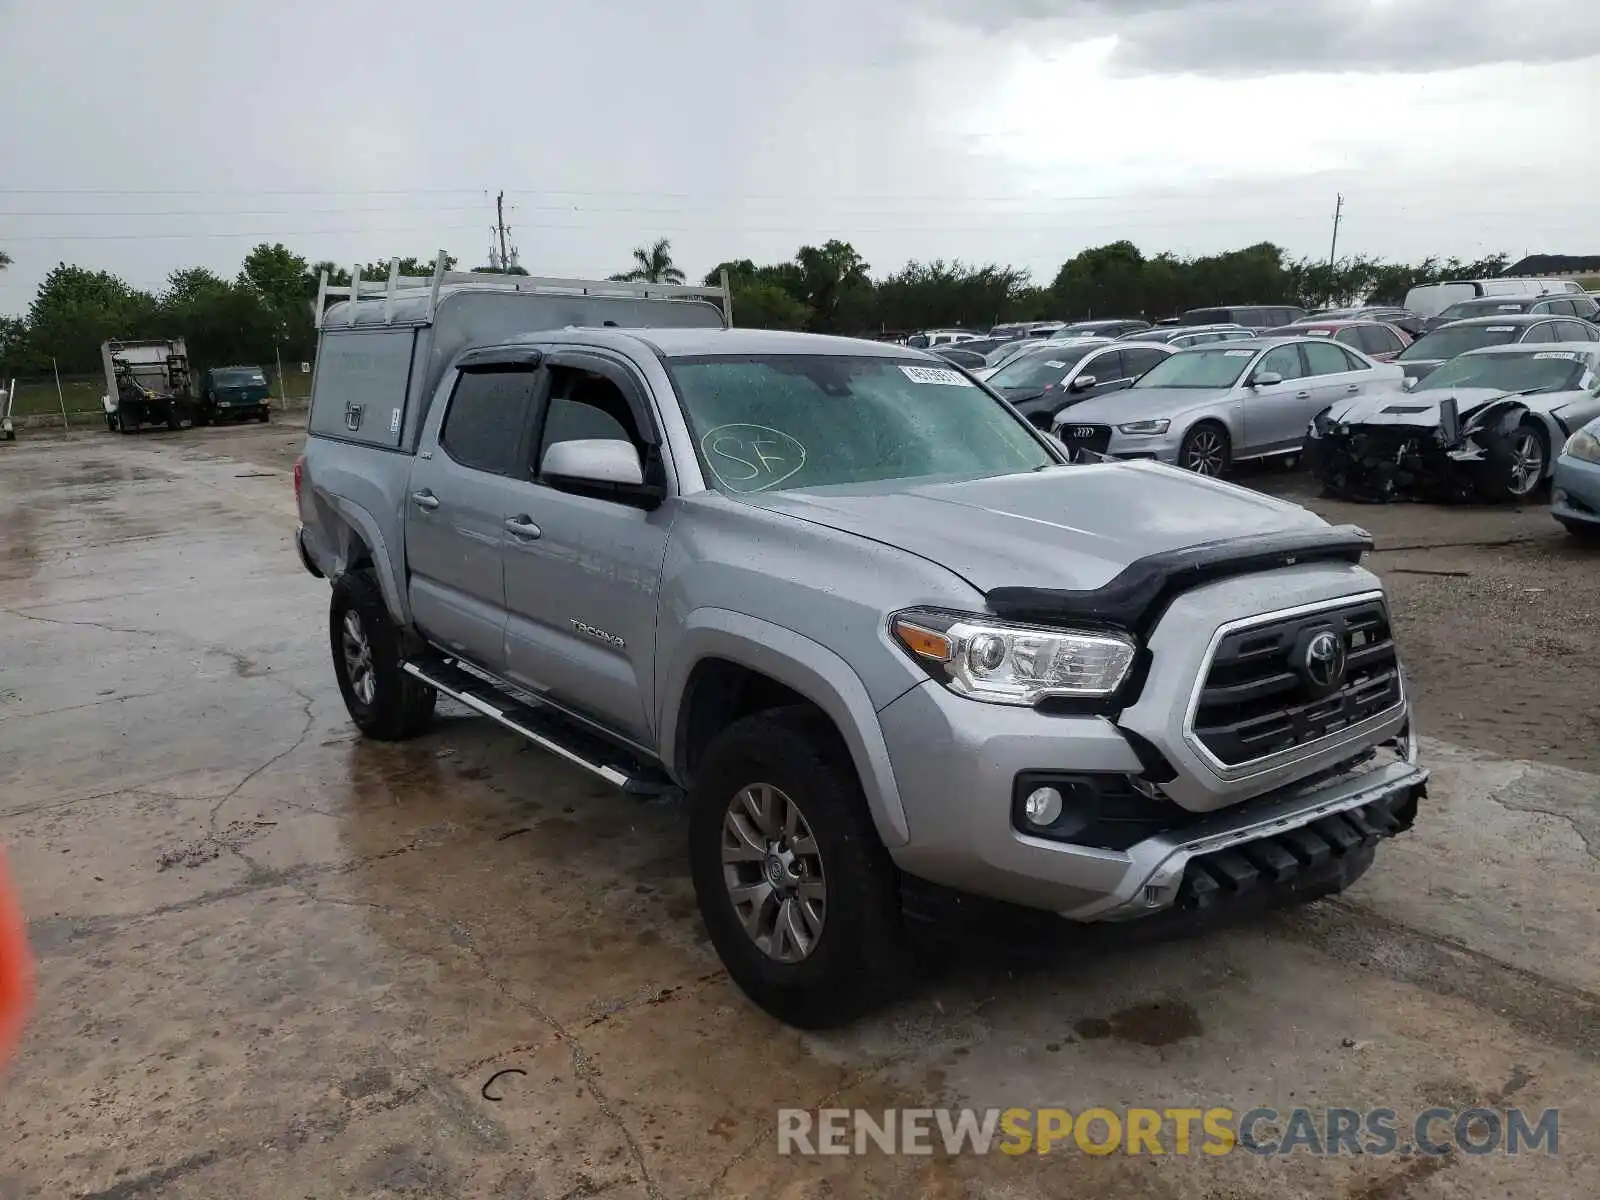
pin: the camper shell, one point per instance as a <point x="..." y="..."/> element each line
<point x="385" y="345"/>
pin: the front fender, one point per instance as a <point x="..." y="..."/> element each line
<point x="810" y="669"/>
<point x="1506" y="415"/>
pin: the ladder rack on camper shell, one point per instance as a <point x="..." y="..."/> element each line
<point x="388" y="290"/>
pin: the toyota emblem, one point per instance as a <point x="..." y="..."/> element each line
<point x="1083" y="431"/>
<point x="1324" y="661"/>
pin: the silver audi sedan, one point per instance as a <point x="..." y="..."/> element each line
<point x="1210" y="406"/>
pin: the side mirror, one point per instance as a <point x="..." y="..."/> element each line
<point x="605" y="467"/>
<point x="1266" y="379"/>
<point x="1082" y="383"/>
<point x="1409" y="382"/>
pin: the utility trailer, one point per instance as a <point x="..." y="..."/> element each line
<point x="147" y="383"/>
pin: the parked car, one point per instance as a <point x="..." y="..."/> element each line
<point x="1181" y="337"/>
<point x="1484" y="426"/>
<point x="930" y="338"/>
<point x="973" y="360"/>
<point x="1441" y="345"/>
<point x="1004" y="353"/>
<point x="1431" y="299"/>
<point x="1406" y="321"/>
<point x="1251" y="316"/>
<point x="1493" y="306"/>
<point x="1575" y="493"/>
<point x="1375" y="339"/>
<point x="1208" y="407"/>
<point x="1110" y="328"/>
<point x="863" y="619"/>
<point x="1042" y="384"/>
<point x="234" y="394"/>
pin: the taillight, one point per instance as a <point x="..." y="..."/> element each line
<point x="299" y="468"/>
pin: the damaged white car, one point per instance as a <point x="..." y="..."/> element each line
<point x="1485" y="426"/>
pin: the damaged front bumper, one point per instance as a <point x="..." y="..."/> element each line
<point x="1380" y="463"/>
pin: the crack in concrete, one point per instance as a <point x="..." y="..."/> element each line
<point x="1579" y="819"/>
<point x="1398" y="1184"/>
<point x="305" y="733"/>
<point x="582" y="1069"/>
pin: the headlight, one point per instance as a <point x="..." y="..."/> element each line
<point x="1583" y="446"/>
<point x="1002" y="663"/>
<point x="1144" y="427"/>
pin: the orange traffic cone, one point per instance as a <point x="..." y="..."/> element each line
<point x="16" y="968"/>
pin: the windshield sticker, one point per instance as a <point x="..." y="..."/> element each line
<point x="1050" y="362"/>
<point x="1566" y="354"/>
<point x="1502" y="329"/>
<point x="936" y="375"/>
<point x="751" y="458"/>
<point x="1237" y="353"/>
<point x="1317" y="332"/>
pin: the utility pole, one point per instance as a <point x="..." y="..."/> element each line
<point x="500" y="228"/>
<point x="1338" y="209"/>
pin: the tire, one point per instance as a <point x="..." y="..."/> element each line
<point x="384" y="702"/>
<point x="857" y="954"/>
<point x="174" y="417"/>
<point x="1513" y="470"/>
<point x="124" y="425"/>
<point x="1207" y="443"/>
<point x="263" y="416"/>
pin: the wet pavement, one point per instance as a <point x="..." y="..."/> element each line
<point x="276" y="960"/>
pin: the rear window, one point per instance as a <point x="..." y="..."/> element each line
<point x="488" y="414"/>
<point x="1449" y="342"/>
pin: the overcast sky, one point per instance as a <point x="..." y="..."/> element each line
<point x="168" y="133"/>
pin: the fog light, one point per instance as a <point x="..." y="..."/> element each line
<point x="1042" y="806"/>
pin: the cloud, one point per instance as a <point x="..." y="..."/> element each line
<point x="1243" y="38"/>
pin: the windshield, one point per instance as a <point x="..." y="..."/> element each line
<point x="1041" y="369"/>
<point x="1541" y="370"/>
<point x="779" y="422"/>
<point x="240" y="377"/>
<point x="1449" y="342"/>
<point x="1482" y="308"/>
<point x="1004" y="354"/>
<point x="1206" y="368"/>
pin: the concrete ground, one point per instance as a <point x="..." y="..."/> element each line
<point x="279" y="961"/>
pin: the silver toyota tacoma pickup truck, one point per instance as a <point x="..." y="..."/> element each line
<point x="874" y="628"/>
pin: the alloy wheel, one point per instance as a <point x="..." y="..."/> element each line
<point x="1527" y="462"/>
<point x="358" y="658"/>
<point x="1205" y="453"/>
<point x="772" y="867"/>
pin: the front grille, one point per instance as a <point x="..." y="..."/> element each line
<point x="1260" y="697"/>
<point x="1094" y="438"/>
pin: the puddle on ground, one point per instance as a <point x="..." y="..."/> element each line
<point x="1153" y="1023"/>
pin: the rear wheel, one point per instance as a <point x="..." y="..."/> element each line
<point x="383" y="701"/>
<point x="1205" y="450"/>
<point x="797" y="892"/>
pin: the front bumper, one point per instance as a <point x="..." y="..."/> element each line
<point x="1382" y="463"/>
<point x="1575" y="492"/>
<point x="956" y="762"/>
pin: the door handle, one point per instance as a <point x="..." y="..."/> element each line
<point x="523" y="527"/>
<point x="425" y="500"/>
<point x="1354" y="387"/>
<point x="1302" y="395"/>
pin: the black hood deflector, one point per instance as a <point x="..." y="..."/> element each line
<point x="1136" y="597"/>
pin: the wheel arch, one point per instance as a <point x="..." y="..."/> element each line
<point x="726" y="664"/>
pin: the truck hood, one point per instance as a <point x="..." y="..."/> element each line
<point x="1399" y="407"/>
<point x="1071" y="528"/>
<point x="1138" y="404"/>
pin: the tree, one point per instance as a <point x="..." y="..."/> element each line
<point x="5" y="260"/>
<point x="652" y="264"/>
<point x="833" y="283"/>
<point x="76" y="309"/>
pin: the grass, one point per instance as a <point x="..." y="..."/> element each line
<point x="82" y="396"/>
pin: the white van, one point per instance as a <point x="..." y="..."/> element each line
<point x="1431" y="299"/>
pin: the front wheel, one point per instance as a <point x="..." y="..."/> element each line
<point x="798" y="894"/>
<point x="383" y="701"/>
<point x="1205" y="450"/>
<point x="1513" y="470"/>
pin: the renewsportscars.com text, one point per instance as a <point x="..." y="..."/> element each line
<point x="1167" y="1131"/>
